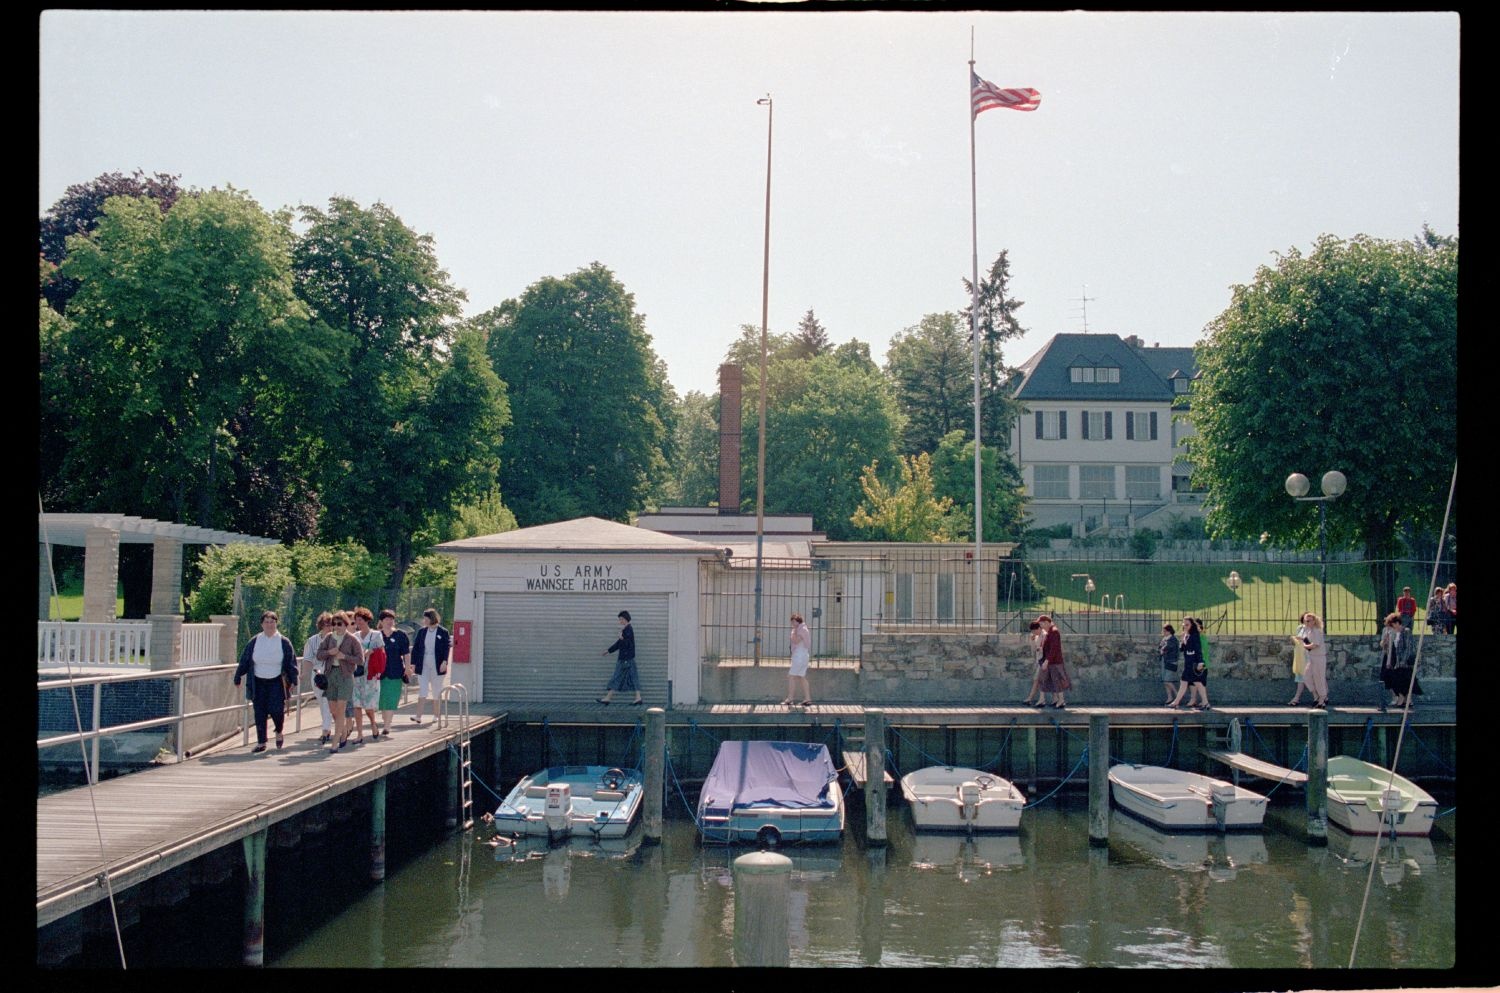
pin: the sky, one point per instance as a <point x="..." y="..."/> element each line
<point x="1173" y="153"/>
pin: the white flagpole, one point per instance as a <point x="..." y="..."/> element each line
<point x="974" y="330"/>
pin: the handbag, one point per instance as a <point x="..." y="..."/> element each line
<point x="359" y="670"/>
<point x="320" y="681"/>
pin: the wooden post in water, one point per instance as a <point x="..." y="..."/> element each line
<point x="1317" y="777"/>
<point x="874" y="777"/>
<point x="1099" y="779"/>
<point x="1028" y="767"/>
<point x="377" y="830"/>
<point x="656" y="774"/>
<point x="255" y="897"/>
<point x="761" y="918"/>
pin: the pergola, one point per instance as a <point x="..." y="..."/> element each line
<point x="100" y="536"/>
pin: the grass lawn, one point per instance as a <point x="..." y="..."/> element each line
<point x="67" y="605"/>
<point x="1270" y="599"/>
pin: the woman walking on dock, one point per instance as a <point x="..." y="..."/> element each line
<point x="271" y="665"/>
<point x="1168" y="651"/>
<point x="340" y="653"/>
<point x="1397" y="656"/>
<point x="796" y="675"/>
<point x="1299" y="661"/>
<point x="1054" y="675"/>
<point x="1194" y="668"/>
<point x="320" y="668"/>
<point x="625" y="677"/>
<point x="367" y="689"/>
<point x="1316" y="673"/>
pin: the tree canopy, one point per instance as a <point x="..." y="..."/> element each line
<point x="1342" y="358"/>
<point x="997" y="324"/>
<point x="908" y="511"/>
<point x="931" y="370"/>
<point x="589" y="394"/>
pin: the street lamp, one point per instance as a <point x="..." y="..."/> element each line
<point x="1333" y="485"/>
<point x="1234" y="587"/>
<point x="1088" y="597"/>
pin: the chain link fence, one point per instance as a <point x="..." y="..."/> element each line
<point x="299" y="607"/>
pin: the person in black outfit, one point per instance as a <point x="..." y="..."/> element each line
<point x="625" y="677"/>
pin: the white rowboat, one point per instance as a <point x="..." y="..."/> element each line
<point x="1184" y="801"/>
<point x="953" y="798"/>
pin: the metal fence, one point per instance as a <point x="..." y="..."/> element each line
<point x="1255" y="596"/>
<point x="830" y="595"/>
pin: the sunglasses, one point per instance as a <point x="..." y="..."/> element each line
<point x="338" y="624"/>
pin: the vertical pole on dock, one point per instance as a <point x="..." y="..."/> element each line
<point x="1098" y="779"/>
<point x="875" y="778"/>
<point x="1317" y="777"/>
<point x="762" y="920"/>
<point x="450" y="820"/>
<point x="656" y="774"/>
<point x="377" y="830"/>
<point x="1028" y="767"/>
<point x="255" y="897"/>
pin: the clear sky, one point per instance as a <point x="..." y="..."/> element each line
<point x="1172" y="155"/>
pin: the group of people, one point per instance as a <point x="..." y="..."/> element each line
<point x="360" y="664"/>
<point x="1190" y="651"/>
<point x="1442" y="609"/>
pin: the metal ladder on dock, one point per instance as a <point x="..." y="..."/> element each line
<point x="457" y="691"/>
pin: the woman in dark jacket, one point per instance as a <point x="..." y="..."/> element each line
<point x="625" y="677"/>
<point x="1054" y="675"/>
<point x="271" y="664"/>
<point x="1194" y="667"/>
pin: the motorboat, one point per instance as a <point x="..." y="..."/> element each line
<point x="772" y="793"/>
<point x="1368" y="799"/>
<point x="1174" y="800"/>
<point x="589" y="801"/>
<point x="954" y="798"/>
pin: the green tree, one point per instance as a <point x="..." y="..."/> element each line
<point x="910" y="511"/>
<point x="1343" y="358"/>
<point x="693" y="472"/>
<point x="346" y="565"/>
<point x="181" y="323"/>
<point x="265" y="567"/>
<point x="931" y="369"/>
<point x="1004" y="494"/>
<point x="589" y="395"/>
<point x="413" y="411"/>
<point x="432" y="569"/>
<point x="77" y="212"/>
<point x="485" y="515"/>
<point x="811" y="338"/>
<point x="842" y="419"/>
<point x="997" y="324"/>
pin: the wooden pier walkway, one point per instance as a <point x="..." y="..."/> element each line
<point x="155" y="820"/>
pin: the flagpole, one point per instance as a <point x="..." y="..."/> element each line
<point x="760" y="456"/>
<point x="974" y="331"/>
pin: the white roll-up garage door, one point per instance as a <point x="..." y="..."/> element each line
<point x="545" y="649"/>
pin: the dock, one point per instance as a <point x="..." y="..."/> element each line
<point x="1255" y="767"/>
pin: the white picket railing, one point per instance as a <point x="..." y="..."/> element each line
<point x="122" y="643"/>
<point x="200" y="644"/>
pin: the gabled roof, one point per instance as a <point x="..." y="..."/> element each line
<point x="1170" y="362"/>
<point x="585" y="534"/>
<point x="1045" y="375"/>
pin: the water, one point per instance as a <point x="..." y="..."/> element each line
<point x="1043" y="898"/>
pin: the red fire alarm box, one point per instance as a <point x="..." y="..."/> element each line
<point x="460" y="649"/>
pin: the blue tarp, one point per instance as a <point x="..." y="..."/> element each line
<point x="784" y="773"/>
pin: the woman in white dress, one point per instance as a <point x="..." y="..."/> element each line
<point x="796" y="676"/>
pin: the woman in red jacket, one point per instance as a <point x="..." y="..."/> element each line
<point x="1054" y="676"/>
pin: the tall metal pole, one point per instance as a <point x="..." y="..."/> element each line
<point x="1323" y="559"/>
<point x="760" y="447"/>
<point x="974" y="331"/>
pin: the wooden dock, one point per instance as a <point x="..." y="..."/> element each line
<point x="1255" y="767"/>
<point x="134" y="827"/>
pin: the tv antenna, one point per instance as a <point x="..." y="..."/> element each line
<point x="1084" y="302"/>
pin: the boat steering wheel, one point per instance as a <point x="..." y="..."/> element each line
<point x="983" y="782"/>
<point x="613" y="778"/>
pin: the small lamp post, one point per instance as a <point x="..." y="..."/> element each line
<point x="1333" y="485"/>
<point x="1088" y="598"/>
<point x="1234" y="587"/>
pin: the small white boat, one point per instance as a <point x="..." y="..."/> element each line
<point x="1367" y="799"/>
<point x="953" y="798"/>
<point x="1184" y="801"/>
<point x="592" y="801"/>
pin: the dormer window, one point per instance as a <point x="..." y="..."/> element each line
<point x="1179" y="384"/>
<point x="1094" y="374"/>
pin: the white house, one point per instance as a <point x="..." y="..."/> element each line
<point x="1100" y="440"/>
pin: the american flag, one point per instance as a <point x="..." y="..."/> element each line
<point x="988" y="96"/>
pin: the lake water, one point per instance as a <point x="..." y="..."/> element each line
<point x="1042" y="898"/>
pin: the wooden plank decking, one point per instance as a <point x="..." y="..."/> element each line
<point x="137" y="826"/>
<point x="1255" y="767"/>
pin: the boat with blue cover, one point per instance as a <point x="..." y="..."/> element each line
<point x="771" y="792"/>
<point x="589" y="801"/>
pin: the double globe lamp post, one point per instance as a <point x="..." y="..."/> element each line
<point x="1333" y="485"/>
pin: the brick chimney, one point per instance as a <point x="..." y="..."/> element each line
<point x="730" y="387"/>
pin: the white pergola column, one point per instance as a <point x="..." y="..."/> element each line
<point x="101" y="574"/>
<point x="166" y="576"/>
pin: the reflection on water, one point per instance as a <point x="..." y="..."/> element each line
<point x="1040" y="898"/>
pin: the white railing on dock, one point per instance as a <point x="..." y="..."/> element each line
<point x="200" y="644"/>
<point x="123" y="643"/>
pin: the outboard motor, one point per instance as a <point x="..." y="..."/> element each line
<point x="1390" y="807"/>
<point x="558" y="813"/>
<point x="1222" y="796"/>
<point x="968" y="800"/>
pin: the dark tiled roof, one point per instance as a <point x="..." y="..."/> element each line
<point x="1045" y="375"/>
<point x="1170" y="361"/>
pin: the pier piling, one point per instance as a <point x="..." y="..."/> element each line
<point x="1317" y="777"/>
<point x="761" y="916"/>
<point x="655" y="772"/>
<point x="377" y="830"/>
<point x="255" y="898"/>
<point x="1099" y="779"/>
<point x="875" y="833"/>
